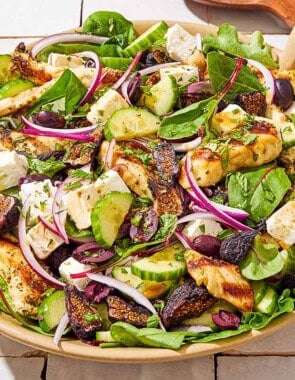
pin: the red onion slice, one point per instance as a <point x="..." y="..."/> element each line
<point x="66" y="37"/>
<point x="197" y="215"/>
<point x="69" y="136"/>
<point x="51" y="227"/>
<point x="187" y="146"/>
<point x="27" y="252"/>
<point x="128" y="71"/>
<point x="126" y="289"/>
<point x="109" y="155"/>
<point x="184" y="240"/>
<point x="231" y="211"/>
<point x="232" y="79"/>
<point x="204" y="201"/>
<point x="268" y="79"/>
<point x="197" y="87"/>
<point x="152" y="69"/>
<point x="97" y="76"/>
<point x="60" y="330"/>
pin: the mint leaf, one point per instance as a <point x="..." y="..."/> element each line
<point x="48" y="167"/>
<point x="227" y="41"/>
<point x="262" y="261"/>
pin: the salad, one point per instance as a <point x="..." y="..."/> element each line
<point x="146" y="185"/>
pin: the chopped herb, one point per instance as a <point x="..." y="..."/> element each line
<point x="73" y="185"/>
<point x="153" y="321"/>
<point x="92" y="317"/>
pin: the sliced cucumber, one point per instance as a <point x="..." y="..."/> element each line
<point x="259" y="290"/>
<point x="132" y="122"/>
<point x="289" y="260"/>
<point x="51" y="310"/>
<point x="15" y="87"/>
<point x="150" y="289"/>
<point x="205" y="318"/>
<point x="288" y="135"/>
<point x="104" y="336"/>
<point x="4" y="67"/>
<point x="108" y="215"/>
<point x="163" y="96"/>
<point x="269" y="302"/>
<point x="147" y="39"/>
<point x="162" y="266"/>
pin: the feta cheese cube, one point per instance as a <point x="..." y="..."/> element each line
<point x="43" y="241"/>
<point x="40" y="196"/>
<point x="110" y="181"/>
<point x="280" y="224"/>
<point x="108" y="103"/>
<point x="228" y="119"/>
<point x="71" y="61"/>
<point x="184" y="74"/>
<point x="71" y="266"/>
<point x="180" y="44"/>
<point x="201" y="227"/>
<point x="80" y="203"/>
<point x="12" y="167"/>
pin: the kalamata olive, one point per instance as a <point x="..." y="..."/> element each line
<point x="32" y="178"/>
<point x="207" y="245"/>
<point x="143" y="225"/>
<point x="150" y="60"/>
<point x="58" y="256"/>
<point x="49" y="119"/>
<point x="96" y="292"/>
<point x="9" y="212"/>
<point x="226" y="320"/>
<point x="288" y="282"/>
<point x="284" y="93"/>
<point x="57" y="154"/>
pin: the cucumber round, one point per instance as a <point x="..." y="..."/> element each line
<point x="259" y="290"/>
<point x="131" y="122"/>
<point x="15" y="87"/>
<point x="108" y="215"/>
<point x="51" y="309"/>
<point x="269" y="302"/>
<point x="162" y="266"/>
<point x="150" y="289"/>
<point x="163" y="96"/>
<point x="147" y="39"/>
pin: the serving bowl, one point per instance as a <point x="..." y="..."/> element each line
<point x="76" y="349"/>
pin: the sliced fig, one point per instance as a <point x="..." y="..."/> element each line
<point x="167" y="199"/>
<point x="81" y="154"/>
<point x="120" y="310"/>
<point x="84" y="318"/>
<point x="253" y="103"/>
<point x="144" y="224"/>
<point x="186" y="301"/>
<point x="9" y="212"/>
<point x="166" y="162"/>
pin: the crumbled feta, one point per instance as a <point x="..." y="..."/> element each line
<point x="184" y="74"/>
<point x="180" y="44"/>
<point x="71" y="61"/>
<point x="201" y="227"/>
<point x="71" y="266"/>
<point x="110" y="181"/>
<point x="39" y="195"/>
<point x="43" y="241"/>
<point x="12" y="167"/>
<point x="280" y="224"/>
<point x="101" y="110"/>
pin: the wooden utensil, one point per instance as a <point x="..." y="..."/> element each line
<point x="284" y="9"/>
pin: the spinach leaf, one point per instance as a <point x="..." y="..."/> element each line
<point x="221" y="67"/>
<point x="227" y="40"/>
<point x="167" y="223"/>
<point x="110" y="24"/>
<point x="69" y="87"/>
<point x="73" y="231"/>
<point x="262" y="261"/>
<point x="258" y="191"/>
<point x="48" y="167"/>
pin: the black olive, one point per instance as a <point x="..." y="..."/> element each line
<point x="49" y="119"/>
<point x="9" y="212"/>
<point x="284" y="93"/>
<point x="150" y="60"/>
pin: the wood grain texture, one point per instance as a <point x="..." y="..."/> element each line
<point x="284" y="9"/>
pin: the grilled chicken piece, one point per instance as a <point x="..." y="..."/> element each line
<point x="287" y="159"/>
<point x="120" y="310"/>
<point x="25" y="287"/>
<point x="186" y="301"/>
<point x="222" y="280"/>
<point x="165" y="162"/>
<point x="209" y="167"/>
<point x="34" y="145"/>
<point x="82" y="314"/>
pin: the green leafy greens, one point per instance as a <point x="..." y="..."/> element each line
<point x="48" y="167"/>
<point x="227" y="41"/>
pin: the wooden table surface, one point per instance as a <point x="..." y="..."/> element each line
<point x="272" y="358"/>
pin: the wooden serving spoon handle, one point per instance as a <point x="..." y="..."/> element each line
<point x="284" y="9"/>
<point x="287" y="58"/>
